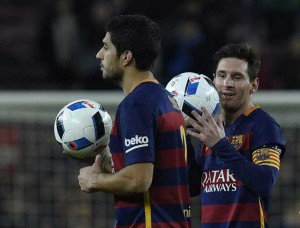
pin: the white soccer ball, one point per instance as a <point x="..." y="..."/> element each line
<point x="82" y="126"/>
<point x="191" y="91"/>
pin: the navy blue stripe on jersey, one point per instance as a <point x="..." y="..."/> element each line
<point x="161" y="213"/>
<point x="164" y="142"/>
<point x="123" y="219"/>
<point x="242" y="224"/>
<point x="167" y="177"/>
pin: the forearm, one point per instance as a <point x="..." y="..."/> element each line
<point x="111" y="183"/>
<point x="131" y="180"/>
<point x="259" y="179"/>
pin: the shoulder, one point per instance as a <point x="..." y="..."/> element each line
<point x="262" y="118"/>
<point x="147" y="94"/>
<point x="266" y="128"/>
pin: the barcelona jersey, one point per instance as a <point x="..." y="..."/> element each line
<point x="236" y="177"/>
<point x="149" y="128"/>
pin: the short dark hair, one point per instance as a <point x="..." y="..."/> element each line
<point x="138" y="34"/>
<point x="240" y="51"/>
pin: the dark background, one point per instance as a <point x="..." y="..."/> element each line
<point x="51" y="45"/>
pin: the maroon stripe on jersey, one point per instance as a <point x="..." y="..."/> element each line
<point x="232" y="212"/>
<point x="205" y="151"/>
<point x="169" y="194"/>
<point x="170" y="121"/>
<point x="170" y="158"/>
<point x="246" y="142"/>
<point x="115" y="130"/>
<point x="118" y="159"/>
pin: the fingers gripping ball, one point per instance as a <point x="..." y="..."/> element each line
<point x="192" y="91"/>
<point x="81" y="128"/>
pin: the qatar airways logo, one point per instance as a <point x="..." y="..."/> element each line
<point x="218" y="181"/>
<point x="136" y="142"/>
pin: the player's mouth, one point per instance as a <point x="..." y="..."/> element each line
<point x="227" y="95"/>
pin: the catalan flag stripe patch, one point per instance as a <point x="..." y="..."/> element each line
<point x="266" y="156"/>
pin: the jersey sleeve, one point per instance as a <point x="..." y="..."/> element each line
<point x="266" y="134"/>
<point x="137" y="125"/>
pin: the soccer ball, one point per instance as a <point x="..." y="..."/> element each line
<point x="81" y="127"/>
<point x="191" y="91"/>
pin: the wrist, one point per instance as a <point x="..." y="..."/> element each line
<point x="106" y="164"/>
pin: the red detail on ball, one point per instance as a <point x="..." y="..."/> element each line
<point x="72" y="145"/>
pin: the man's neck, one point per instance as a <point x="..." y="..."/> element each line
<point x="231" y="116"/>
<point x="133" y="78"/>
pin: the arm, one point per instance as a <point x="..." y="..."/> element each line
<point x="131" y="180"/>
<point x="259" y="178"/>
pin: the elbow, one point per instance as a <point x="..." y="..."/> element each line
<point x="265" y="189"/>
<point x="139" y="186"/>
<point x="138" y="178"/>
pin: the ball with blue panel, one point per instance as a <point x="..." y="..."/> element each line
<point x="81" y="127"/>
<point x="191" y="91"/>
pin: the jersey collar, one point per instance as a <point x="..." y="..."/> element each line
<point x="146" y="80"/>
<point x="250" y="110"/>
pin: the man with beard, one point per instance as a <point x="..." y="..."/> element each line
<point x="148" y="172"/>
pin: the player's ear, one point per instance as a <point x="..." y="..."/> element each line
<point x="254" y="86"/>
<point x="127" y="57"/>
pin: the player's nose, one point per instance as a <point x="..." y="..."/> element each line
<point x="99" y="55"/>
<point x="228" y="81"/>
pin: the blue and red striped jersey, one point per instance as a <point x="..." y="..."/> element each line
<point x="148" y="127"/>
<point x="236" y="177"/>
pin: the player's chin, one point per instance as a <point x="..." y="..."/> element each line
<point x="229" y="107"/>
<point x="104" y="75"/>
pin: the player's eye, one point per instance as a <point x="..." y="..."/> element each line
<point x="237" y="77"/>
<point x="220" y="75"/>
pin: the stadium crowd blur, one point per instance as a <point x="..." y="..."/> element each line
<point x="48" y="44"/>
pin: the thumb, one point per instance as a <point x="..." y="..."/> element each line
<point x="97" y="163"/>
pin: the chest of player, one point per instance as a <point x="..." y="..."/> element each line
<point x="241" y="144"/>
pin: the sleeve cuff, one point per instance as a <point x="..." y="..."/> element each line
<point x="220" y="146"/>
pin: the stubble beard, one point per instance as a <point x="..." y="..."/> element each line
<point x="114" y="75"/>
<point x="229" y="108"/>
